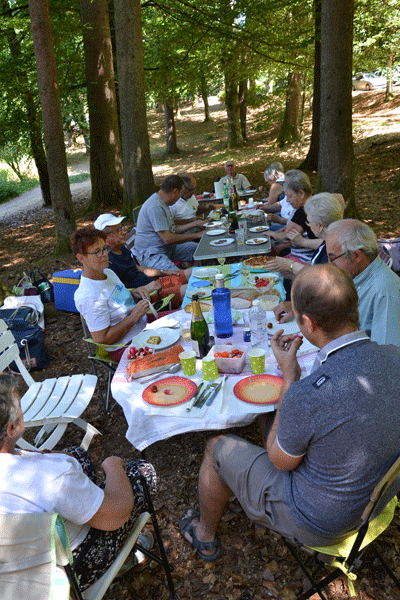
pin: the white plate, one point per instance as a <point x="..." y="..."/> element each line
<point x="205" y="272"/>
<point x="289" y="328"/>
<point x="168" y="338"/>
<point x="222" y="242"/>
<point x="259" y="228"/>
<point x="215" y="231"/>
<point x="251" y="279"/>
<point x="199" y="290"/>
<point x="213" y="224"/>
<point x="256" y="241"/>
<point x="246" y="192"/>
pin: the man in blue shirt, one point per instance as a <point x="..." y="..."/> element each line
<point x="334" y="435"/>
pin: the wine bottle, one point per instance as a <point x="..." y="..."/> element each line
<point x="233" y="222"/>
<point x="221" y="299"/>
<point x="199" y="330"/>
<point x="235" y="198"/>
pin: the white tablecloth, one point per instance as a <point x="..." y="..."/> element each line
<point x="148" y="424"/>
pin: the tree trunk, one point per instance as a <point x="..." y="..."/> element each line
<point x="172" y="148"/>
<point x="204" y="96"/>
<point x="235" y="138"/>
<point x="389" y="81"/>
<point x="310" y="163"/>
<point x="52" y="123"/>
<point x="290" y="129"/>
<point x="138" y="174"/>
<point x="35" y="131"/>
<point x="243" y="107"/>
<point x="106" y="170"/>
<point x="336" y="153"/>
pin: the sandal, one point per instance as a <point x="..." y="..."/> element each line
<point x="186" y="526"/>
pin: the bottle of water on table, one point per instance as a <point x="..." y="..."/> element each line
<point x="258" y="324"/>
<point x="221" y="299"/>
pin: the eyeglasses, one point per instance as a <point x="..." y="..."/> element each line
<point x="100" y="252"/>
<point x="332" y="258"/>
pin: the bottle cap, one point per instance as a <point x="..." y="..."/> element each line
<point x="219" y="276"/>
<point x="195" y="297"/>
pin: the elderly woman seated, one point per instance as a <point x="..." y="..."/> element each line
<point x="279" y="210"/>
<point x="321" y="210"/>
<point x="298" y="189"/>
<point x="98" y="518"/>
<point x="107" y="306"/>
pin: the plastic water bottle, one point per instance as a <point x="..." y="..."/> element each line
<point x="258" y="323"/>
<point x="221" y="299"/>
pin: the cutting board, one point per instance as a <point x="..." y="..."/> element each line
<point x="153" y="363"/>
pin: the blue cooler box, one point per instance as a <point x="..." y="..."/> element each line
<point x="65" y="284"/>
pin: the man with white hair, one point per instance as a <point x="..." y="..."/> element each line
<point x="238" y="179"/>
<point x="352" y="246"/>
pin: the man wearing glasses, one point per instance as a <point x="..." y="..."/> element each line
<point x="352" y="246"/>
<point x="162" y="281"/>
<point x="187" y="209"/>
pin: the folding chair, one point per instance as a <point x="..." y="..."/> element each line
<point x="346" y="555"/>
<point x="98" y="355"/>
<point x="34" y="547"/>
<point x="50" y="404"/>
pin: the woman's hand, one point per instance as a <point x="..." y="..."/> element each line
<point x="139" y="311"/>
<point x="295" y="238"/>
<point x="141" y="292"/>
<point x="176" y="272"/>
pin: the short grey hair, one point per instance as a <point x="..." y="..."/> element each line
<point x="274" y="171"/>
<point x="323" y="208"/>
<point x="354" y="235"/>
<point x="8" y="403"/>
<point x="297" y="181"/>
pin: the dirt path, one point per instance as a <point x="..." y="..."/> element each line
<point x="33" y="199"/>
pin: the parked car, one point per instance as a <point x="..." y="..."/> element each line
<point x="369" y="81"/>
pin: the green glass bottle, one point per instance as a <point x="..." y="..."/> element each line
<point x="233" y="225"/>
<point x="199" y="330"/>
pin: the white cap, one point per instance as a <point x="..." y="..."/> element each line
<point x="107" y="220"/>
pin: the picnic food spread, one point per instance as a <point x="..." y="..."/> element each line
<point x="257" y="262"/>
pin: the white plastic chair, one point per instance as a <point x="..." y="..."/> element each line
<point x="51" y="404"/>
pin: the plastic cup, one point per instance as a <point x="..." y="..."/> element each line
<point x="239" y="233"/>
<point x="250" y="202"/>
<point x="210" y="371"/>
<point x="188" y="362"/>
<point x="257" y="360"/>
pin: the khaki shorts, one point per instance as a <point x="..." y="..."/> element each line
<point x="260" y="488"/>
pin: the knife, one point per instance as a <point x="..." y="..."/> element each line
<point x="196" y="396"/>
<point x="211" y="397"/>
<point x="202" y="398"/>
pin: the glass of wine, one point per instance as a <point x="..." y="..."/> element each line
<point x="245" y="272"/>
<point x="221" y="260"/>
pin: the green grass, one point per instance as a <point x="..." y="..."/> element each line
<point x="9" y="188"/>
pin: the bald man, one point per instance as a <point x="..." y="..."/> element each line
<point x="332" y="438"/>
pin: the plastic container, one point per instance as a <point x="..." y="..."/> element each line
<point x="221" y="299"/>
<point x="229" y="365"/>
<point x="258" y="323"/>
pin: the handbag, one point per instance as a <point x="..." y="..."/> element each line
<point x="23" y="321"/>
<point x="44" y="286"/>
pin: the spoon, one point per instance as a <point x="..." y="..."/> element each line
<point x="171" y="369"/>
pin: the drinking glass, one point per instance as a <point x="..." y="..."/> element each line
<point x="221" y="260"/>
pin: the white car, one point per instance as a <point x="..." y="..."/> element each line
<point x="369" y="81"/>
